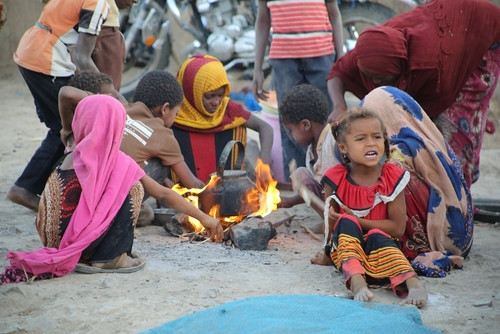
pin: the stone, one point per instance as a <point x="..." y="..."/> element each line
<point x="252" y="233"/>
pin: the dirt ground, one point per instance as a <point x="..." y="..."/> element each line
<point x="182" y="277"/>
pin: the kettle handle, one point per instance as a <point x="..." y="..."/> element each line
<point x="225" y="154"/>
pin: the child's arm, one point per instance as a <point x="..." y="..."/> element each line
<point x="185" y="175"/>
<point x="174" y="200"/>
<point x="67" y="100"/>
<point x="333" y="213"/>
<point x="265" y="136"/>
<point x="395" y="223"/>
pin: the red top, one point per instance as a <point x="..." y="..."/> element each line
<point x="369" y="202"/>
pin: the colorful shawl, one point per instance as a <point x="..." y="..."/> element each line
<point x="416" y="141"/>
<point x="106" y="176"/>
<point x="199" y="75"/>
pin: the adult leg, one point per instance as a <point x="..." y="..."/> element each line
<point x="287" y="74"/>
<point x="110" y="53"/>
<point x="463" y="124"/>
<point x="30" y="184"/>
<point x="316" y="71"/>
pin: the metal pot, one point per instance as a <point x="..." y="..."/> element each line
<point x="231" y="188"/>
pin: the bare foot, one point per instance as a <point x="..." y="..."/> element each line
<point x="23" y="197"/>
<point x="131" y="262"/>
<point x="417" y="294"/>
<point x="322" y="259"/>
<point x="359" y="288"/>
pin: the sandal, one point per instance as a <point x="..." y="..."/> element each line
<point x="113" y="266"/>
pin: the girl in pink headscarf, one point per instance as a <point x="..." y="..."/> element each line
<point x="91" y="202"/>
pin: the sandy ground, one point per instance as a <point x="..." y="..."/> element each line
<point x="183" y="277"/>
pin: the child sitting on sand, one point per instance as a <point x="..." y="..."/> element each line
<point x="367" y="211"/>
<point x="304" y="111"/>
<point x="148" y="138"/>
<point x="208" y="119"/>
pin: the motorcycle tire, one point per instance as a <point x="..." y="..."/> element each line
<point x="152" y="59"/>
<point x="486" y="210"/>
<point x="357" y="16"/>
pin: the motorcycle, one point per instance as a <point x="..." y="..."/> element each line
<point x="357" y="15"/>
<point x="222" y="28"/>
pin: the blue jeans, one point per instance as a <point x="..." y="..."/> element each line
<point x="291" y="72"/>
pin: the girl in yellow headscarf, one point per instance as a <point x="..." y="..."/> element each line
<point x="208" y="119"/>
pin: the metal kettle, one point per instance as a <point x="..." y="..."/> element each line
<point x="234" y="191"/>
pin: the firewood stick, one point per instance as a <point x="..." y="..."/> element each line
<point x="310" y="198"/>
<point x="208" y="239"/>
<point x="308" y="230"/>
<point x="283" y="221"/>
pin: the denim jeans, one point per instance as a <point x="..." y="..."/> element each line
<point x="288" y="73"/>
<point x="45" y="90"/>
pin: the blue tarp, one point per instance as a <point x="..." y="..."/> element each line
<point x="299" y="313"/>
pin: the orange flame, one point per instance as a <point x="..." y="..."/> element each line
<point x="266" y="194"/>
<point x="266" y="185"/>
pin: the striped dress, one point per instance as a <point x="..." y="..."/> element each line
<point x="373" y="253"/>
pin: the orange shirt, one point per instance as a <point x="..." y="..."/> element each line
<point x="44" y="48"/>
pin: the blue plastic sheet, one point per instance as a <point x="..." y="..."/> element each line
<point x="302" y="313"/>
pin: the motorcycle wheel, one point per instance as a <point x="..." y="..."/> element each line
<point x="357" y="16"/>
<point x="142" y="59"/>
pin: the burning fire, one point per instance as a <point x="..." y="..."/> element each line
<point x="265" y="194"/>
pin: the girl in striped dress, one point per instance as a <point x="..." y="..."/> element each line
<point x="366" y="211"/>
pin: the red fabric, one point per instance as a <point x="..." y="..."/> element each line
<point x="362" y="198"/>
<point x="414" y="241"/>
<point x="205" y="157"/>
<point x="390" y="55"/>
<point x="446" y="41"/>
<point x="188" y="80"/>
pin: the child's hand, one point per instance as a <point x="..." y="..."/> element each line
<point x="168" y="183"/>
<point x="65" y="135"/>
<point x="286" y="202"/>
<point x="70" y="144"/>
<point x="289" y="201"/>
<point x="213" y="228"/>
<point x="333" y="215"/>
<point x="347" y="210"/>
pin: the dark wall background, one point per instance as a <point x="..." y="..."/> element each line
<point x="21" y="14"/>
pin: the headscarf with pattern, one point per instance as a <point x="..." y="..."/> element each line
<point x="199" y="75"/>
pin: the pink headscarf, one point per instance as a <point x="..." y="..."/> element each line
<point x="106" y="175"/>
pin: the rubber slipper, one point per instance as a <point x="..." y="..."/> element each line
<point x="89" y="269"/>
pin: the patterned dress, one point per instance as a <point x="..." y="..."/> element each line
<point x="373" y="253"/>
<point x="60" y="199"/>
